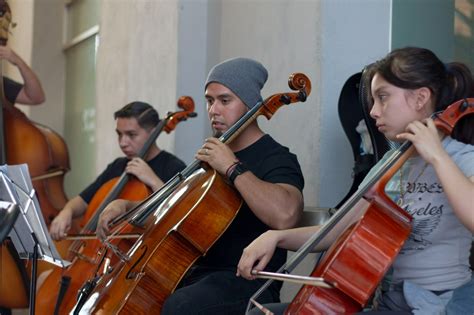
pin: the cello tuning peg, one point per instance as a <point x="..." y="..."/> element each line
<point x="465" y="105"/>
<point x="285" y="99"/>
<point x="302" y="96"/>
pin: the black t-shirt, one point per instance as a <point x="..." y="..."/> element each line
<point x="12" y="89"/>
<point x="165" y="165"/>
<point x="271" y="162"/>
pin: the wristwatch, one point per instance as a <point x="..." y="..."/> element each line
<point x="240" y="168"/>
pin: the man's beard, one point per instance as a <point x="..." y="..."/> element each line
<point x="217" y="133"/>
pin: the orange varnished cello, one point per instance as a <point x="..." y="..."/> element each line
<point x="23" y="141"/>
<point x="58" y="293"/>
<point x="180" y="226"/>
<point x="354" y="265"/>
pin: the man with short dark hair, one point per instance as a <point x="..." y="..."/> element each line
<point x="135" y="123"/>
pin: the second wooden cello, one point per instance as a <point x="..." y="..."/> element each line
<point x="58" y="293"/>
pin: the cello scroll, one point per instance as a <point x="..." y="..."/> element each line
<point x="447" y="119"/>
<point x="296" y="81"/>
<point x="187" y="104"/>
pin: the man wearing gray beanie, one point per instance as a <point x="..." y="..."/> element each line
<point x="265" y="174"/>
<point x="245" y="77"/>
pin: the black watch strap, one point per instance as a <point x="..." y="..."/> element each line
<point x="240" y="168"/>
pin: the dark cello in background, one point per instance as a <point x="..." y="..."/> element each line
<point x="357" y="261"/>
<point x="45" y="153"/>
<point x="181" y="222"/>
<point x="89" y="259"/>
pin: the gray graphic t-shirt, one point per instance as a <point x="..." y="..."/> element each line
<point x="436" y="254"/>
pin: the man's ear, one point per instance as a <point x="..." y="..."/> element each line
<point x="423" y="98"/>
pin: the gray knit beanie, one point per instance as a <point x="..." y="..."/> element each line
<point x="243" y="76"/>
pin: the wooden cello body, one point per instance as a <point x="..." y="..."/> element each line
<point x="14" y="282"/>
<point x="46" y="154"/>
<point x="357" y="261"/>
<point x="89" y="258"/>
<point x="179" y="229"/>
<point x="186" y="230"/>
<point x="58" y="293"/>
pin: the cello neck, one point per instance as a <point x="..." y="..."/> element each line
<point x="124" y="178"/>
<point x="152" y="138"/>
<point x="297" y="81"/>
<point x="144" y="209"/>
<point x="168" y="124"/>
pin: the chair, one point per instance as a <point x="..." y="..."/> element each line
<point x="353" y="109"/>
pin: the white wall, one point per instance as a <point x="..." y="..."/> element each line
<point x="137" y="60"/>
<point x="328" y="40"/>
<point x="156" y="51"/>
<point x="283" y="35"/>
<point x="19" y="39"/>
<point x="194" y="30"/>
<point x="48" y="61"/>
<point x="354" y="34"/>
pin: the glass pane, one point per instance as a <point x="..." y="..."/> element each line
<point x="80" y="114"/>
<point x="81" y="16"/>
<point x="464" y="32"/>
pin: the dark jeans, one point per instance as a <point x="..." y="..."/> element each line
<point x="462" y="301"/>
<point x="392" y="302"/>
<point x="214" y="292"/>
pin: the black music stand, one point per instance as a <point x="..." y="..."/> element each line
<point x="8" y="214"/>
<point x="28" y="233"/>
